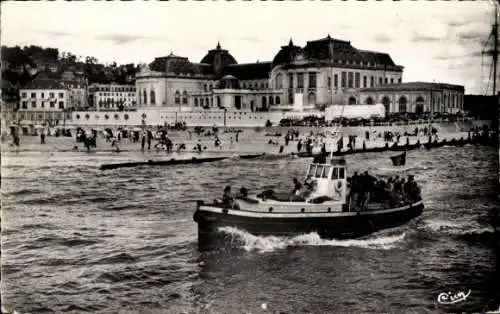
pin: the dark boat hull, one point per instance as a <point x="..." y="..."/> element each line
<point x="341" y="226"/>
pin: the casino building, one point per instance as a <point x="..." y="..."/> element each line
<point x="303" y="80"/>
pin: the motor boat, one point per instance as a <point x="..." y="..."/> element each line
<point x="326" y="208"/>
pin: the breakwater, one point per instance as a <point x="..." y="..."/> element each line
<point x="173" y="161"/>
<point x="487" y="140"/>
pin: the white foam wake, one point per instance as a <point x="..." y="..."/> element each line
<point x="250" y="242"/>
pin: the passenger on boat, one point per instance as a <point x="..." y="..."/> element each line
<point x="367" y="185"/>
<point x="353" y="187"/>
<point x="228" y="200"/>
<point x="411" y="190"/>
<point x="243" y="192"/>
<point x="297" y="186"/>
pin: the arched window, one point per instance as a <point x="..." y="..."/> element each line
<point x="264" y="102"/>
<point x="218" y="101"/>
<point x="311" y="98"/>
<point x="279" y="81"/>
<point x="369" y="101"/>
<point x="402" y="103"/>
<point x="386" y="101"/>
<point x="184" y="97"/>
<point x="196" y="102"/>
<point x="278" y="100"/>
<point x="271" y="100"/>
<point x="352" y="100"/>
<point x="152" y="97"/>
<point x="145" y="96"/>
<point x="177" y="97"/>
<point x="207" y="102"/>
<point x="419" y="105"/>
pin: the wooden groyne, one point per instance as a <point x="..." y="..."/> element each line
<point x="173" y="161"/>
<point x="488" y="141"/>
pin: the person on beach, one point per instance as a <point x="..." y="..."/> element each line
<point x="149" y="136"/>
<point x="299" y="146"/>
<point x="218" y="142"/>
<point x="143" y="141"/>
<point x="42" y="137"/>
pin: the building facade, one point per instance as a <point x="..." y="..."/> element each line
<point x="112" y="97"/>
<point x="43" y="101"/>
<point x="414" y="97"/>
<point x="327" y="70"/>
<point x="298" y="80"/>
<point x="324" y="72"/>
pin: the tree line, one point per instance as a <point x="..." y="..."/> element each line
<point x="21" y="65"/>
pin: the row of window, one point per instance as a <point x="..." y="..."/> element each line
<point x="111" y="89"/>
<point x="117" y="94"/>
<point x="106" y="116"/>
<point x="312" y="82"/>
<point x="248" y="85"/>
<point x="51" y="104"/>
<point x="265" y="100"/>
<point x="117" y="101"/>
<point x="347" y="80"/>
<point x="40" y="116"/>
<point x="143" y="97"/>
<point x="42" y="95"/>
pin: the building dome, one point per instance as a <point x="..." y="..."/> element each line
<point x="286" y="54"/>
<point x="229" y="82"/>
<point x="218" y="58"/>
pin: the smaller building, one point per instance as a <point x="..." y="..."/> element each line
<point x="229" y="94"/>
<point x="43" y="101"/>
<point x="112" y="97"/>
<point x="77" y="94"/>
<point x="412" y="97"/>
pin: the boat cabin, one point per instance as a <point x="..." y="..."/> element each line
<point x="329" y="178"/>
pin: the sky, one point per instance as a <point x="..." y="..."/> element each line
<point x="437" y="41"/>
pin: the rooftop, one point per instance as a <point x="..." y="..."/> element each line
<point x="44" y="83"/>
<point x="249" y="71"/>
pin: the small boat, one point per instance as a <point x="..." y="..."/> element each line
<point x="326" y="210"/>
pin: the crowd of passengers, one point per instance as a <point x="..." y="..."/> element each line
<point x="395" y="191"/>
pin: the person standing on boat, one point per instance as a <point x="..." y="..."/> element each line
<point x="299" y="146"/>
<point x="368" y="188"/>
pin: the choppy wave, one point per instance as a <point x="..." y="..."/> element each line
<point x="69" y="233"/>
<point x="263" y="244"/>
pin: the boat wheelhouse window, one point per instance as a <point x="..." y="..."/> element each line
<point x="335" y="173"/>
<point x="319" y="170"/>
<point x="341" y="173"/>
<point x="326" y="171"/>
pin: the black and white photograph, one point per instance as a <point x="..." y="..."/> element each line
<point x="237" y="157"/>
